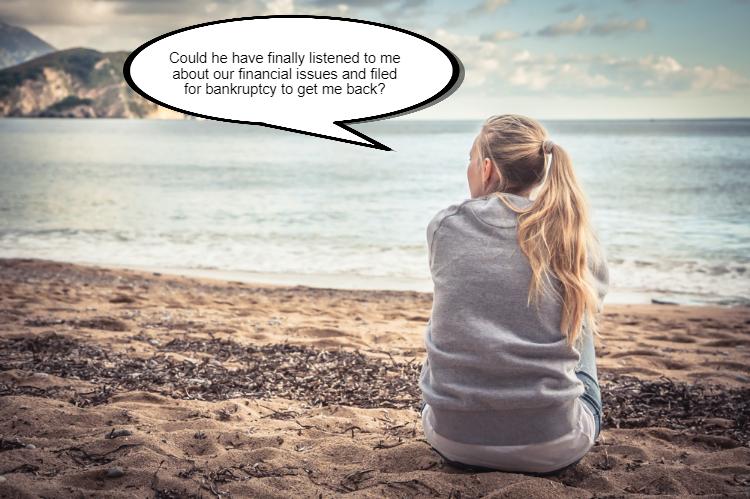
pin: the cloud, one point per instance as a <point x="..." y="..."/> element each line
<point x="495" y="69"/>
<point x="573" y="27"/>
<point x="602" y="74"/>
<point x="499" y="36"/>
<point x="550" y="73"/>
<point x="619" y="26"/>
<point x="488" y="6"/>
<point x="582" y="25"/>
<point x="719" y="78"/>
<point x="659" y="74"/>
<point x="483" y="60"/>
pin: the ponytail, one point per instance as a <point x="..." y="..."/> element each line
<point x="554" y="234"/>
<point x="554" y="231"/>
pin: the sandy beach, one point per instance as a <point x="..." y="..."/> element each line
<point x="118" y="383"/>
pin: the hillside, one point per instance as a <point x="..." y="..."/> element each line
<point x="76" y="83"/>
<point x="19" y="45"/>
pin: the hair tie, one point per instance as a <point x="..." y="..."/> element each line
<point x="547" y="146"/>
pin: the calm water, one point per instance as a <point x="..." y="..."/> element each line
<point x="669" y="200"/>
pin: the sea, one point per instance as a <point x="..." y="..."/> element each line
<point x="669" y="200"/>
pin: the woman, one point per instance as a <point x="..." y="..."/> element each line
<point x="510" y="379"/>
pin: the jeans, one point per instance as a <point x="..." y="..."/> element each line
<point x="585" y="370"/>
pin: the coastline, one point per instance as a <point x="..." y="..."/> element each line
<point x="614" y="296"/>
<point x="257" y="389"/>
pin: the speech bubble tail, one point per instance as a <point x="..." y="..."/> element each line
<point x="341" y="132"/>
<point x="370" y="141"/>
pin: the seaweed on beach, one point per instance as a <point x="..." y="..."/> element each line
<point x="196" y="368"/>
<point x="630" y="402"/>
<point x="319" y="377"/>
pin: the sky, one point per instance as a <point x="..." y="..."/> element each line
<point x="552" y="59"/>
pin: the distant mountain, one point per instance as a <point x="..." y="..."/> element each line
<point x="74" y="83"/>
<point x="18" y="45"/>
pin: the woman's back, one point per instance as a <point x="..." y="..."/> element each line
<point x="498" y="370"/>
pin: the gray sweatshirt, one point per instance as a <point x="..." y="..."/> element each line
<point x="497" y="371"/>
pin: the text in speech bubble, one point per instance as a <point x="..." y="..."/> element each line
<point x="305" y="74"/>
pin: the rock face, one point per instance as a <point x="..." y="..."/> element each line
<point x="18" y="45"/>
<point x="74" y="83"/>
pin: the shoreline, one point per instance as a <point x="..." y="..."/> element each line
<point x="380" y="322"/>
<point x="358" y="282"/>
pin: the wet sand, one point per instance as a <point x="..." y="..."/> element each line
<point x="117" y="383"/>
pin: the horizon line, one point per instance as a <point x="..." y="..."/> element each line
<point x="700" y="118"/>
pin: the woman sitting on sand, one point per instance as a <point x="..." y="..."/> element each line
<point x="510" y="378"/>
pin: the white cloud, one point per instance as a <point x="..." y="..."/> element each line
<point x="499" y="36"/>
<point x="494" y="69"/>
<point x="572" y="27"/>
<point x="648" y="75"/>
<point x="482" y="59"/>
<point x="550" y="73"/>
<point x="719" y="79"/>
<point x="663" y="73"/>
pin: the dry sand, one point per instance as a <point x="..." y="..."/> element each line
<point x="182" y="387"/>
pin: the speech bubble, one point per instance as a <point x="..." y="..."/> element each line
<point x="305" y="74"/>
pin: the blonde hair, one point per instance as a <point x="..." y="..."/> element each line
<point x="554" y="231"/>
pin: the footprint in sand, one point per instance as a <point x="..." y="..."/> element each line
<point x="198" y="444"/>
<point x="675" y="338"/>
<point x="674" y="365"/>
<point x="683" y="339"/>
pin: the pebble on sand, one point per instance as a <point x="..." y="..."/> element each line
<point x="119" y="433"/>
<point x="115" y="472"/>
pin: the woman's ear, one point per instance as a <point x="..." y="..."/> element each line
<point x="486" y="171"/>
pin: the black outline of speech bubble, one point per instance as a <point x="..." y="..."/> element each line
<point x="456" y="79"/>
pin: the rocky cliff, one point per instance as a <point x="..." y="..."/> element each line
<point x="76" y="83"/>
